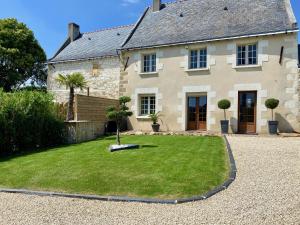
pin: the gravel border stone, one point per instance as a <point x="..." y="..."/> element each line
<point x="222" y="187"/>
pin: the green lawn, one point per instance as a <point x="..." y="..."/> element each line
<point x="164" y="167"/>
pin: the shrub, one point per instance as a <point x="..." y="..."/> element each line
<point x="154" y="117"/>
<point x="28" y="121"/>
<point x="119" y="113"/>
<point x="272" y="104"/>
<point x="224" y="104"/>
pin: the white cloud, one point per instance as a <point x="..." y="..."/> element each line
<point x="129" y="2"/>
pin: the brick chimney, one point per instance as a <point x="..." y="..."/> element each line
<point x="74" y="31"/>
<point x="156" y="5"/>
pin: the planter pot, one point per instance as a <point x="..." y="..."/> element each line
<point x="273" y="127"/>
<point x="155" y="127"/>
<point x="224" y="126"/>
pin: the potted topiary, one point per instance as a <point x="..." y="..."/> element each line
<point x="154" y="118"/>
<point x="273" y="124"/>
<point x="224" y="104"/>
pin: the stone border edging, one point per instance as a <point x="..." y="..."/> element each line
<point x="224" y="186"/>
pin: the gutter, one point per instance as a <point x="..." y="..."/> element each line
<point x="214" y="39"/>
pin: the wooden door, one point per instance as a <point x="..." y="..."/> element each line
<point x="197" y="113"/>
<point x="247" y="112"/>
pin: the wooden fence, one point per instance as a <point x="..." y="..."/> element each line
<point x="89" y="118"/>
<point x="89" y="108"/>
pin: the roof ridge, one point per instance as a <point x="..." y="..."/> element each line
<point x="175" y="2"/>
<point x="172" y="2"/>
<point x="109" y="28"/>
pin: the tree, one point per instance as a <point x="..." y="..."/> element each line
<point x="119" y="113"/>
<point x="71" y="81"/>
<point x="272" y="104"/>
<point x="21" y="56"/>
<point x="224" y="104"/>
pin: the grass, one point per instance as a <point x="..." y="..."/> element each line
<point x="164" y="167"/>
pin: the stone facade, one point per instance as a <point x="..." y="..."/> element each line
<point x="102" y="76"/>
<point x="173" y="82"/>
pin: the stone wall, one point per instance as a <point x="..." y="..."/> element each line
<point x="102" y="76"/>
<point x="81" y="131"/>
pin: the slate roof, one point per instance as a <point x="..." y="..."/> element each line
<point x="202" y="20"/>
<point x="100" y="43"/>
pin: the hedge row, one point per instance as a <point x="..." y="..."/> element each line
<point x="28" y="121"/>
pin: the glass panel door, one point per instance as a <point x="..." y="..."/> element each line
<point x="202" y="101"/>
<point x="247" y="112"/>
<point x="197" y="113"/>
<point x="192" y="113"/>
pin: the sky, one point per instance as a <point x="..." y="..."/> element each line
<point x="49" y="18"/>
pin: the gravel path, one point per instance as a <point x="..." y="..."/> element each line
<point x="266" y="191"/>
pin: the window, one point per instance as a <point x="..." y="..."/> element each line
<point x="149" y="63"/>
<point x="247" y="55"/>
<point x="147" y="105"/>
<point x="198" y="59"/>
<point x="95" y="69"/>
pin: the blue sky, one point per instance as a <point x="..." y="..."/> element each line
<point x="49" y="19"/>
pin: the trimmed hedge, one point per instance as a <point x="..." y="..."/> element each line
<point x="28" y="121"/>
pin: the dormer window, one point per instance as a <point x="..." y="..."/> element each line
<point x="149" y="63"/>
<point x="198" y="59"/>
<point x="246" y="55"/>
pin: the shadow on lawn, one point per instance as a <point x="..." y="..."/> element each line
<point x="52" y="148"/>
<point x="149" y="146"/>
<point x="56" y="148"/>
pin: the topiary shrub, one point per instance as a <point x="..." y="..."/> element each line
<point x="119" y="113"/>
<point x="272" y="104"/>
<point x="224" y="104"/>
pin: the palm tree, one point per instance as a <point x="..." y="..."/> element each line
<point x="71" y="81"/>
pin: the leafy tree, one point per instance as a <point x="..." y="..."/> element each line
<point x="21" y="56"/>
<point x="71" y="81"/>
<point x="117" y="114"/>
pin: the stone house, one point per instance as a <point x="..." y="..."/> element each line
<point x="93" y="54"/>
<point x="181" y="58"/>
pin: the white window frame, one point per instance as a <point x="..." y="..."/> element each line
<point x="246" y="54"/>
<point x="148" y="96"/>
<point x="151" y="63"/>
<point x="198" y="67"/>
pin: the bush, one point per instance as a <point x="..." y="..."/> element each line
<point x="224" y="104"/>
<point x="154" y="117"/>
<point x="28" y="121"/>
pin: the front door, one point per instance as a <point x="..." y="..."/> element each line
<point x="247" y="112"/>
<point x="197" y="113"/>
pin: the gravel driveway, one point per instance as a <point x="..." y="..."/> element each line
<point x="266" y="191"/>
